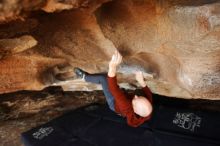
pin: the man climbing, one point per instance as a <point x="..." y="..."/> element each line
<point x="136" y="109"/>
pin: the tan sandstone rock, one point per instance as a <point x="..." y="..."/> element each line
<point x="16" y="45"/>
<point x="174" y="42"/>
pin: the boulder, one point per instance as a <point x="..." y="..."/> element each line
<point x="174" y="42"/>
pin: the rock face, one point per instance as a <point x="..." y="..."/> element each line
<point x="16" y="45"/>
<point x="176" y="43"/>
<point x="16" y="9"/>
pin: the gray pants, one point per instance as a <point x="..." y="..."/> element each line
<point x="102" y="79"/>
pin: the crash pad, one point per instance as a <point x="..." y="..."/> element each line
<point x="97" y="125"/>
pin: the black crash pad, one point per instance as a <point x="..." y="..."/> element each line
<point x="96" y="125"/>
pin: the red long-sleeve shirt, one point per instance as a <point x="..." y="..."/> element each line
<point x="123" y="103"/>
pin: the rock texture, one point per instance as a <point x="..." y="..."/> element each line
<point x="175" y="42"/>
<point x="21" y="9"/>
<point x="16" y="45"/>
